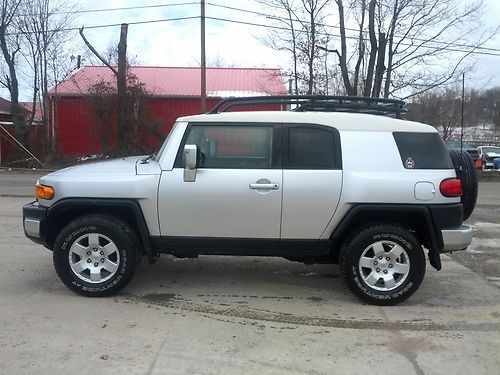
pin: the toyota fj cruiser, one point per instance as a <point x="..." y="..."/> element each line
<point x="292" y="184"/>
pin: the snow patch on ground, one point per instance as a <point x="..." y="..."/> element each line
<point x="483" y="242"/>
<point x="485" y="225"/>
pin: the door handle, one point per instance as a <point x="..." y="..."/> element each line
<point x="266" y="186"/>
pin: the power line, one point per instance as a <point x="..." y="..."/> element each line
<point x="474" y="49"/>
<point x="356" y="38"/>
<point x="346" y="28"/>
<point x="274" y="17"/>
<point x="104" y="26"/>
<point x="99" y="10"/>
<point x="134" y="7"/>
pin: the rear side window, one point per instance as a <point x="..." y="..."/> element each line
<point x="422" y="151"/>
<point x="311" y="148"/>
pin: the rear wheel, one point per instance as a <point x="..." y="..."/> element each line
<point x="383" y="264"/>
<point x="96" y="255"/>
<point x="466" y="172"/>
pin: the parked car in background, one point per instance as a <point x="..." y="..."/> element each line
<point x="487" y="154"/>
<point x="454" y="144"/>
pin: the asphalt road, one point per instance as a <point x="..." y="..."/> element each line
<point x="228" y="315"/>
<point x="19" y="183"/>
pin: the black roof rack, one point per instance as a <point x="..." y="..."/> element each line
<point x="322" y="103"/>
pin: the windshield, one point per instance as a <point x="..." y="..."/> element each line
<point x="165" y="142"/>
<point x="496" y="150"/>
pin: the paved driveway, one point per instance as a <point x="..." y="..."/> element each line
<point x="226" y="315"/>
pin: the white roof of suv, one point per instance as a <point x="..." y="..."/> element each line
<point x="339" y="120"/>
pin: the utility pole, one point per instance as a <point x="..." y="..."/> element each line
<point x="203" y="104"/>
<point x="121" y="85"/>
<point x="462" y="119"/>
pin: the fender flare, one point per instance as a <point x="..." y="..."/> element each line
<point x="110" y="205"/>
<point x="383" y="212"/>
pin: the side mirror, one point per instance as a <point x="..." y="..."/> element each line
<point x="190" y="156"/>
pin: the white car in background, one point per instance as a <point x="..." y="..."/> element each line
<point x="487" y="154"/>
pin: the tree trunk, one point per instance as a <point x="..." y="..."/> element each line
<point x="294" y="52"/>
<point x="311" y="51"/>
<point x="13" y="87"/>
<point x="121" y="84"/>
<point x="361" y="47"/>
<point x="343" y="51"/>
<point x="380" y="69"/>
<point x="390" y="54"/>
<point x="373" y="48"/>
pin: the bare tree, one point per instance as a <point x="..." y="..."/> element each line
<point x="313" y="10"/>
<point x="284" y="41"/>
<point x="389" y="48"/>
<point x="299" y="30"/>
<point x="41" y="23"/>
<point x="120" y="73"/>
<point x="10" y="45"/>
<point x="403" y="39"/>
<point x="442" y="108"/>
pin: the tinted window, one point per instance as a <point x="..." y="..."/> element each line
<point x="310" y="148"/>
<point x="422" y="151"/>
<point x="232" y="146"/>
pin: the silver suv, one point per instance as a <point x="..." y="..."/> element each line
<point x="290" y="183"/>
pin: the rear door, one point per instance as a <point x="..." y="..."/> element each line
<point x="312" y="180"/>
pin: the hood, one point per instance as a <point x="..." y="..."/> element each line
<point x="493" y="154"/>
<point x="115" y="166"/>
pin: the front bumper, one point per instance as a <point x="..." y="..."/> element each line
<point x="34" y="217"/>
<point x="456" y="239"/>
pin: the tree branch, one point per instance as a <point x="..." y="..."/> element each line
<point x="94" y="51"/>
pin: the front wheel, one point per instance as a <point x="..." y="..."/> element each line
<point x="95" y="255"/>
<point x="383" y="264"/>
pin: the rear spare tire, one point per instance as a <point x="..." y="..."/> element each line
<point x="466" y="172"/>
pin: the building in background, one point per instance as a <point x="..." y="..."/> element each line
<point x="9" y="148"/>
<point x="75" y="130"/>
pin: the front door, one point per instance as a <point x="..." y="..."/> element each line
<point x="238" y="186"/>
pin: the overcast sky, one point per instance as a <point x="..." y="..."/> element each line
<point x="177" y="43"/>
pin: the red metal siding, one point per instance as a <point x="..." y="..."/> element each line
<point x="78" y="133"/>
<point x="72" y="125"/>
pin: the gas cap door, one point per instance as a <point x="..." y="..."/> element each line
<point x="425" y="191"/>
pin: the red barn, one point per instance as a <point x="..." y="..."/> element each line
<point x="172" y="92"/>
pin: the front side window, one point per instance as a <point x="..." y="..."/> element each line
<point x="241" y="147"/>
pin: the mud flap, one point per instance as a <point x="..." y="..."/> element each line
<point x="435" y="259"/>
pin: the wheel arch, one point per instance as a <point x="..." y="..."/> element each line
<point x="66" y="210"/>
<point x="417" y="219"/>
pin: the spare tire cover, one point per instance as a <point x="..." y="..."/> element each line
<point x="466" y="172"/>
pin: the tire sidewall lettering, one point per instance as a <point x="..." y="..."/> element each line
<point x="393" y="237"/>
<point x="77" y="233"/>
<point x="118" y="232"/>
<point x="354" y="249"/>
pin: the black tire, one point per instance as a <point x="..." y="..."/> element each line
<point x="466" y="172"/>
<point x="106" y="246"/>
<point x="377" y="280"/>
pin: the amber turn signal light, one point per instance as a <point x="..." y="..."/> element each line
<point x="44" y="192"/>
